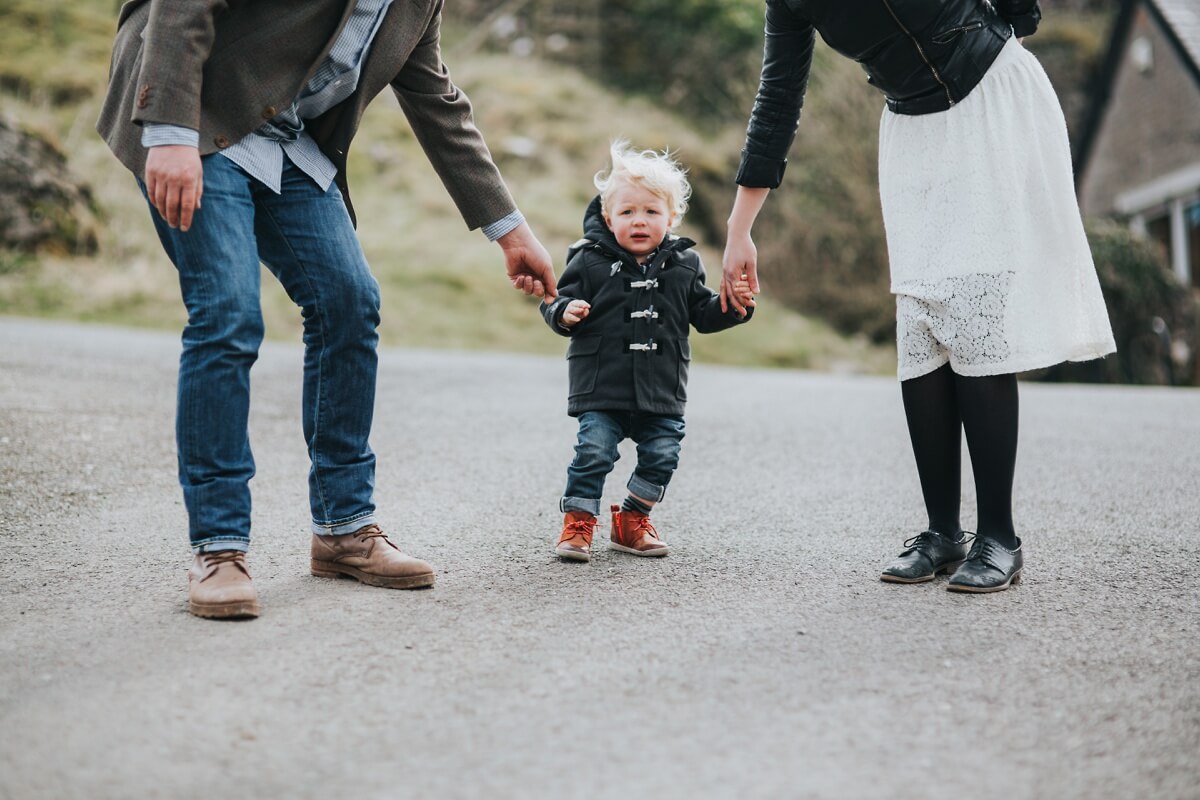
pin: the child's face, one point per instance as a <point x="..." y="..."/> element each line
<point x="638" y="218"/>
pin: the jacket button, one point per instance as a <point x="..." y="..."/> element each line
<point x="269" y="112"/>
<point x="221" y="142"/>
<point x="143" y="96"/>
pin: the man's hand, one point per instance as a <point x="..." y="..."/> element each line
<point x="175" y="182"/>
<point x="527" y="263"/>
<point x="575" y="313"/>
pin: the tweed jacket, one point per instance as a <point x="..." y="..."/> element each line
<point x="223" y="67"/>
<point x="632" y="352"/>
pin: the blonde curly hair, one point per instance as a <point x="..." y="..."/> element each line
<point x="658" y="173"/>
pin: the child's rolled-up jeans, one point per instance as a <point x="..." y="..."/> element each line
<point x="600" y="432"/>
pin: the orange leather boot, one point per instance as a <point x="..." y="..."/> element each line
<point x="632" y="533"/>
<point x="575" y="541"/>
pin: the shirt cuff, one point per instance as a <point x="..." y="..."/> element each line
<point x="505" y="224"/>
<point x="155" y="134"/>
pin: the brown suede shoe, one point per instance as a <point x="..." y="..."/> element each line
<point x="575" y="541"/>
<point x="632" y="533"/>
<point x="367" y="556"/>
<point x="219" y="586"/>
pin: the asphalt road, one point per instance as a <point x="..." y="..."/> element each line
<point x="762" y="659"/>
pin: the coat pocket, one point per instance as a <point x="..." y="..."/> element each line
<point x="685" y="359"/>
<point x="583" y="363"/>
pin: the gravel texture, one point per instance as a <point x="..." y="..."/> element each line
<point x="763" y="658"/>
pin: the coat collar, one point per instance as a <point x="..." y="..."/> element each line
<point x="596" y="230"/>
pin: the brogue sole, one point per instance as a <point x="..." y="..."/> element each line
<point x="1000" y="587"/>
<point x="572" y="554"/>
<point x="241" y="609"/>
<point x="657" y="552"/>
<point x="942" y="570"/>
<point x="326" y="569"/>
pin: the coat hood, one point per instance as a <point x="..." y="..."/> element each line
<point x="595" y="228"/>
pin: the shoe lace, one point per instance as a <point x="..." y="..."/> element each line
<point x="580" y="527"/>
<point x="984" y="551"/>
<point x="214" y="561"/>
<point x="370" y="532"/>
<point x="374" y="532"/>
<point x="922" y="538"/>
<point x="642" y="527"/>
<point x="929" y="539"/>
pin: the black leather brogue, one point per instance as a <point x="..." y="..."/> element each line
<point x="990" y="567"/>
<point x="927" y="554"/>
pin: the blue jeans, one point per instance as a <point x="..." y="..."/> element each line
<point x="305" y="238"/>
<point x="600" y="432"/>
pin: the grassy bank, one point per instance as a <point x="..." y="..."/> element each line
<point x="549" y="128"/>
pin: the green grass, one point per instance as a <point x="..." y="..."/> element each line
<point x="52" y="50"/>
<point x="443" y="287"/>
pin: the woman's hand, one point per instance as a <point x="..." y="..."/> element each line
<point x="739" y="274"/>
<point x="740" y="263"/>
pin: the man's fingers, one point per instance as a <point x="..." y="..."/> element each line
<point x="174" y="200"/>
<point x="187" y="204"/>
<point x="160" y="200"/>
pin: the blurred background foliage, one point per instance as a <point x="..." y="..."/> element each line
<point x="553" y="81"/>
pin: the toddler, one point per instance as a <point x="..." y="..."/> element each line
<point x="629" y="292"/>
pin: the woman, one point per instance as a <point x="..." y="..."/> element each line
<point x="989" y="262"/>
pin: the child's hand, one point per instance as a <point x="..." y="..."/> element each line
<point x="577" y="311"/>
<point x="743" y="292"/>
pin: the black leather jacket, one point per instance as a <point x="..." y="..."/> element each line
<point x="924" y="55"/>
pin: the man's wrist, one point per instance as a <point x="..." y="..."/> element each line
<point x="505" y="225"/>
<point x="155" y="134"/>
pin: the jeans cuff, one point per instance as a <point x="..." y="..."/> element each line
<point x="640" y="487"/>
<point x="586" y="504"/>
<point x="215" y="543"/>
<point x="342" y="527"/>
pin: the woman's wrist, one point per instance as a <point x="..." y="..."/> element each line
<point x="746" y="206"/>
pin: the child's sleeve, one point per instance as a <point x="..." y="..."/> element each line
<point x="570" y="287"/>
<point x="704" y="310"/>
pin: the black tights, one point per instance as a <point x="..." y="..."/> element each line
<point x="939" y="406"/>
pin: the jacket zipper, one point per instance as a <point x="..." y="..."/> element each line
<point x="946" y="37"/>
<point x="917" y="44"/>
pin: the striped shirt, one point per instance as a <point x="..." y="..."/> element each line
<point x="261" y="153"/>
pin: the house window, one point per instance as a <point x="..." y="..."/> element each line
<point x="1141" y="51"/>
<point x="1158" y="232"/>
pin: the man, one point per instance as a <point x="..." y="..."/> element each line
<point x="236" y="118"/>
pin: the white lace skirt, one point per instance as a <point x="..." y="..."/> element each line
<point x="989" y="263"/>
